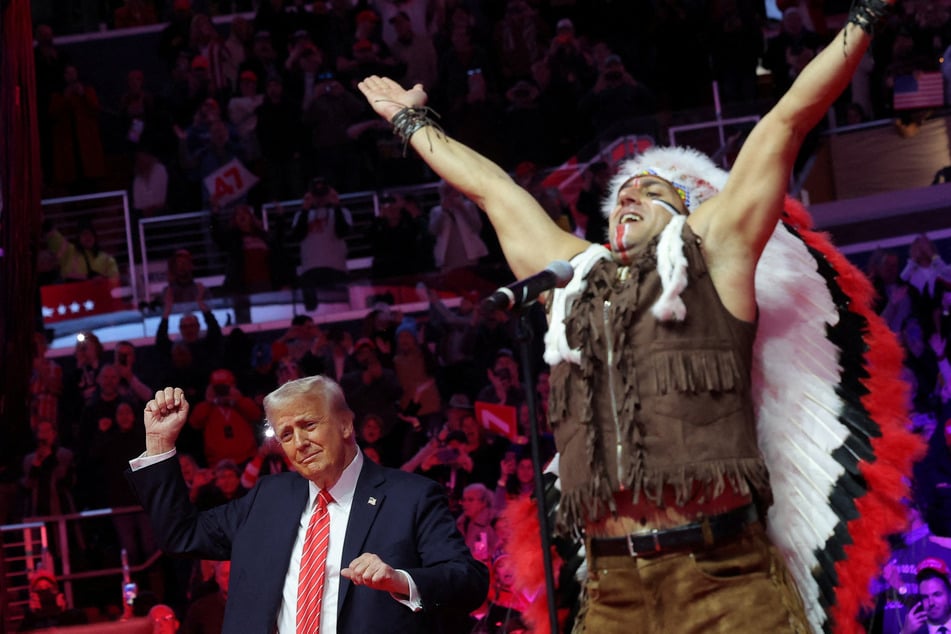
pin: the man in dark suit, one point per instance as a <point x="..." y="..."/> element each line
<point x="396" y="562"/>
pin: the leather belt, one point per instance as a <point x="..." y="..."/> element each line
<point x="705" y="533"/>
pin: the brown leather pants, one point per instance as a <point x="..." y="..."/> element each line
<point x="738" y="586"/>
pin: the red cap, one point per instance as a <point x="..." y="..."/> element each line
<point x="363" y="45"/>
<point x="932" y="563"/>
<point x="248" y="75"/>
<point x="200" y="61"/>
<point x="367" y="16"/>
<point x="222" y="376"/>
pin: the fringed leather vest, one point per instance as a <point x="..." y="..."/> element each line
<point x="652" y="404"/>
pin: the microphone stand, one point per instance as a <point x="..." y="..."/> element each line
<point x="523" y="336"/>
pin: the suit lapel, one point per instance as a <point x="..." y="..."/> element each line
<point x="367" y="500"/>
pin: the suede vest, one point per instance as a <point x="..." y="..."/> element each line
<point x="652" y="405"/>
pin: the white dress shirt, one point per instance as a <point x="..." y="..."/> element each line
<point x="342" y="494"/>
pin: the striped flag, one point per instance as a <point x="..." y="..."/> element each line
<point x="920" y="90"/>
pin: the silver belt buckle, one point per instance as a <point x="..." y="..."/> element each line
<point x="630" y="545"/>
<point x="654" y="534"/>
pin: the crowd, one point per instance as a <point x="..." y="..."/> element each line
<point x="277" y="95"/>
<point x="518" y="80"/>
<point x="414" y="383"/>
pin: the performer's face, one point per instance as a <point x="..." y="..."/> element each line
<point x="644" y="206"/>
<point x="318" y="442"/>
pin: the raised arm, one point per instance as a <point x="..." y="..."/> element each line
<point x="529" y="238"/>
<point x="747" y="209"/>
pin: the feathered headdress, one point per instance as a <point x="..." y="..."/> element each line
<point x="830" y="404"/>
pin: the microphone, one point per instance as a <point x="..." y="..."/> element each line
<point x="524" y="292"/>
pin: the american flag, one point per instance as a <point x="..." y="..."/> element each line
<point x="921" y="90"/>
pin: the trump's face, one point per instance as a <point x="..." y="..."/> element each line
<point x="318" y="442"/>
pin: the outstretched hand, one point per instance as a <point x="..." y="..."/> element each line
<point x="165" y="415"/>
<point x="387" y="97"/>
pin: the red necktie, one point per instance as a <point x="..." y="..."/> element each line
<point x="310" y="581"/>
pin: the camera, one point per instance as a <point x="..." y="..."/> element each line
<point x="504" y="374"/>
<point x="612" y="75"/>
<point x="474" y="71"/>
<point x="327" y="76"/>
<point x="447" y="455"/>
<point x="221" y="389"/>
<point x="123" y="358"/>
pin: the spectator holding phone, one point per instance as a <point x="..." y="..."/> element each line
<point x="932" y="611"/>
<point x="227" y="420"/>
<point x="130" y="385"/>
<point x="321" y="225"/>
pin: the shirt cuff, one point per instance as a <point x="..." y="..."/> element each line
<point x="144" y="461"/>
<point x="413" y="602"/>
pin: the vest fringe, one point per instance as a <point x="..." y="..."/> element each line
<point x="712" y="477"/>
<point x="696" y="371"/>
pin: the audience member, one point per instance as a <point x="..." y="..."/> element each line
<point x="82" y="261"/>
<point x="454" y="335"/>
<point x="111" y="453"/>
<point x="523" y="124"/>
<point x="372" y="389"/>
<point x="269" y="459"/>
<point x="49" y="475"/>
<point x="46" y="384"/>
<point x="206" y="615"/>
<point x="163" y="619"/>
<point x="321" y="225"/>
<point x="475" y="523"/>
<point x="788" y="52"/>
<point x="228" y="421"/>
<point x="181" y="279"/>
<point x="736" y="44"/>
<point x="253" y="264"/>
<point x="414" y="50"/>
<point x="205" y="350"/>
<point x="134" y="13"/>
<point x="456" y="224"/>
<point x="242" y="113"/>
<point x="78" y="157"/>
<point x="394" y="240"/>
<point x="49" y="63"/>
<point x="225" y="487"/>
<point x="928" y="274"/>
<point x="504" y="381"/>
<point x="137" y="109"/>
<point x="149" y="184"/>
<point x="279" y="136"/>
<point x="130" y="385"/>
<point x="47" y="606"/>
<point x="328" y="113"/>
<point x="617" y="103"/>
<point x="893" y="299"/>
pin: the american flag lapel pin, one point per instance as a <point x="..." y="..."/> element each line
<point x="372" y="501"/>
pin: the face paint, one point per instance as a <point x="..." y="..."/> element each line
<point x="666" y="206"/>
<point x="618" y="241"/>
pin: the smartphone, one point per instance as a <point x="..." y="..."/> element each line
<point x="447" y="455"/>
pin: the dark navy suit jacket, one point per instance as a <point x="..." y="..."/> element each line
<point x="401" y="517"/>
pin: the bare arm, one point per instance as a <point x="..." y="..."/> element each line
<point x="749" y="205"/>
<point x="529" y="238"/>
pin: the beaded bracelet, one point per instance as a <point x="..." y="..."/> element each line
<point x="868" y="14"/>
<point x="408" y="121"/>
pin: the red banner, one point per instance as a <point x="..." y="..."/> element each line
<point x="73" y="300"/>
<point x="498" y="419"/>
